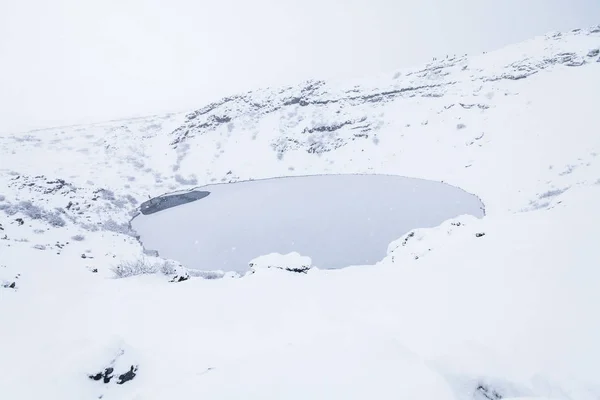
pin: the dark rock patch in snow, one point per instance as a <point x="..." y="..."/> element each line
<point x="180" y="278"/>
<point x="108" y="374"/>
<point x="487" y="392"/>
<point x="9" y="285"/>
<point x="105" y="376"/>
<point x="121" y="369"/>
<point x="127" y="376"/>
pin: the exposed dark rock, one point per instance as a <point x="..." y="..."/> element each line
<point x="301" y="270"/>
<point x="10" y="285"/>
<point x="180" y="278"/>
<point x="105" y="376"/>
<point x="127" y="376"/>
<point x="488" y="393"/>
<point x="96" y="377"/>
<point x="407" y="238"/>
<point x="480" y="234"/>
<point x="108" y="374"/>
<point x="57" y="185"/>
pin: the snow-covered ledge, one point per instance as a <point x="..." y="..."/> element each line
<point x="293" y="262"/>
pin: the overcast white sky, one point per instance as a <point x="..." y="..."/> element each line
<point x="72" y="61"/>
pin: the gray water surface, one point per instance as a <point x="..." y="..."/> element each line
<point x="337" y="220"/>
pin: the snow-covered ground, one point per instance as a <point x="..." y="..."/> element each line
<point x="500" y="307"/>
<point x="336" y="220"/>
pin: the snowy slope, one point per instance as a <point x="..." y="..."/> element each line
<point x="495" y="308"/>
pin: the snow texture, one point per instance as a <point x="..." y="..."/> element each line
<point x="293" y="262"/>
<point x="502" y="307"/>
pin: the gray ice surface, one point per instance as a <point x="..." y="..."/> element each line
<point x="337" y="220"/>
<point x="171" y="200"/>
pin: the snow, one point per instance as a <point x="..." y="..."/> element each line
<point x="337" y="220"/>
<point x="502" y="306"/>
<point x="290" y="262"/>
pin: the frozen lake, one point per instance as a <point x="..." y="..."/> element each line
<point x="337" y="220"/>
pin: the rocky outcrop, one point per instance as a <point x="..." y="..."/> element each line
<point x="319" y="117"/>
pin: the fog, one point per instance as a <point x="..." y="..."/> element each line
<point x="69" y="61"/>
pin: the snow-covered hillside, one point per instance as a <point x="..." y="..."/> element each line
<point x="501" y="307"/>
